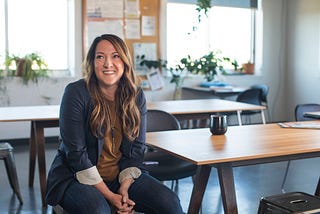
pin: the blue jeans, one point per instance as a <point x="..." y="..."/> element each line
<point x="149" y="195"/>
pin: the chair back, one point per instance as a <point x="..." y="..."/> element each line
<point x="251" y="96"/>
<point x="158" y="120"/>
<point x="264" y="91"/>
<point x="302" y="108"/>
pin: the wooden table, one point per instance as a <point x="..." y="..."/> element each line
<point x="240" y="146"/>
<point x="40" y="117"/>
<point x="313" y="114"/>
<point x="202" y="108"/>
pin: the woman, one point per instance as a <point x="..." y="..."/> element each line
<point x="98" y="167"/>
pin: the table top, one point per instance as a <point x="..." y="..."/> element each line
<point x="240" y="143"/>
<point x="48" y="115"/>
<point x="51" y="112"/>
<point x="217" y="89"/>
<point x="201" y="106"/>
<point x="313" y="114"/>
<point x="29" y="113"/>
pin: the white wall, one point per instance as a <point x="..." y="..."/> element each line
<point x="290" y="65"/>
<point x="303" y="53"/>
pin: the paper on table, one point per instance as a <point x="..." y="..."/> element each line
<point x="298" y="125"/>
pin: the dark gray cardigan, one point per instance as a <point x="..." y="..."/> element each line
<point x="79" y="149"/>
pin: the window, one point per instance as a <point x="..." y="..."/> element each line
<point x="227" y="29"/>
<point x="25" y="29"/>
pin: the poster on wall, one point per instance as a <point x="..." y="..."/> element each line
<point x="155" y="79"/>
<point x="132" y="29"/>
<point x="98" y="28"/>
<point x="105" y="8"/>
<point x="148" y="27"/>
<point x="132" y="8"/>
<point x="149" y="50"/>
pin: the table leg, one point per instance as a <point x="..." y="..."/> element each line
<point x="263" y="117"/>
<point x="32" y="154"/>
<point x="239" y="117"/>
<point x="40" y="141"/>
<point x="199" y="187"/>
<point x="228" y="193"/>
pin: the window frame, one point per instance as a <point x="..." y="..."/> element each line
<point x="256" y="25"/>
<point x="73" y="40"/>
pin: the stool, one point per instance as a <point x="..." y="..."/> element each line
<point x="291" y="202"/>
<point x="58" y="210"/>
<point x="6" y="154"/>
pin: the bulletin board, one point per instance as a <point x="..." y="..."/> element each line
<point x="135" y="21"/>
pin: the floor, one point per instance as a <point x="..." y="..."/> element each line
<point x="252" y="182"/>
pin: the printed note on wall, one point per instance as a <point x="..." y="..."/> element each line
<point x="148" y="26"/>
<point x="132" y="29"/>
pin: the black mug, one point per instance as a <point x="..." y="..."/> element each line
<point x="218" y="124"/>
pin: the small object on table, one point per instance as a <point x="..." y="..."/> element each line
<point x="218" y="124"/>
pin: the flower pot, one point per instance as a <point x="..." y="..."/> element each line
<point x="248" y="68"/>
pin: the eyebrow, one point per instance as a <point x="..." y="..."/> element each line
<point x="100" y="52"/>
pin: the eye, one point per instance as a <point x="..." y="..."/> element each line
<point x="99" y="56"/>
<point x="116" y="56"/>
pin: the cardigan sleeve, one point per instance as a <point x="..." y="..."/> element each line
<point x="74" y="129"/>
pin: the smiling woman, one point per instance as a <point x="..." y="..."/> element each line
<point x="103" y="129"/>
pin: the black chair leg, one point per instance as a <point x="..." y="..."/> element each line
<point x="12" y="175"/>
<point x="317" y="193"/>
<point x="285" y="177"/>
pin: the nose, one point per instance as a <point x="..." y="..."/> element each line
<point x="108" y="62"/>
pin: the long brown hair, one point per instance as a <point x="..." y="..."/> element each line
<point x="126" y="92"/>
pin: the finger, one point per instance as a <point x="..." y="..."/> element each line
<point x="125" y="198"/>
<point x="130" y="202"/>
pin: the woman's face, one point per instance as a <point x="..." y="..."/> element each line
<point x="108" y="65"/>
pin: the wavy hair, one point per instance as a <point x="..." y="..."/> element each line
<point x="126" y="92"/>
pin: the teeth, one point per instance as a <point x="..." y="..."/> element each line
<point x="108" y="72"/>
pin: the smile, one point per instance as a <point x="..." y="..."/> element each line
<point x="109" y="72"/>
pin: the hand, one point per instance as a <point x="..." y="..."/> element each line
<point x="120" y="202"/>
<point x="123" y="191"/>
<point x="122" y="205"/>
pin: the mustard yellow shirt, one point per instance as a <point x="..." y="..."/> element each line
<point x="110" y="155"/>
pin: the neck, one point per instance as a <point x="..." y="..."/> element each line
<point x="109" y="93"/>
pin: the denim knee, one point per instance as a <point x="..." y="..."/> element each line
<point x="84" y="199"/>
<point x="171" y="204"/>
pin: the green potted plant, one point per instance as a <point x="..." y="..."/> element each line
<point x="203" y="5"/>
<point x="177" y="78"/>
<point x="29" y="67"/>
<point x="207" y="65"/>
<point x="157" y="64"/>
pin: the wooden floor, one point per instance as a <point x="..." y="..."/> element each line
<point x="252" y="182"/>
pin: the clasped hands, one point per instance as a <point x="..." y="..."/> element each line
<point x="122" y="203"/>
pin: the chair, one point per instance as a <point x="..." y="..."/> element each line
<point x="161" y="165"/>
<point x="302" y="108"/>
<point x="6" y="154"/>
<point x="299" y="111"/>
<point x="293" y="202"/>
<point x="264" y="96"/>
<point x="264" y="90"/>
<point x="251" y="96"/>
